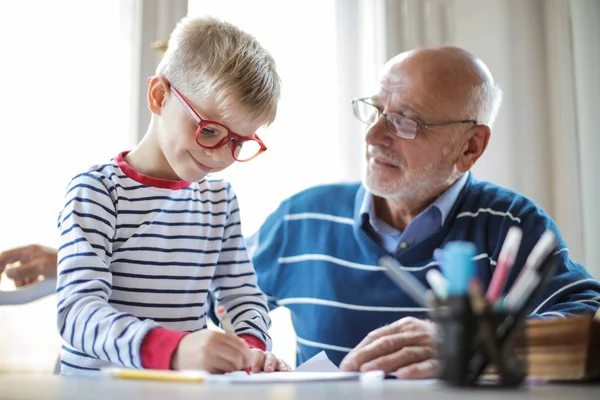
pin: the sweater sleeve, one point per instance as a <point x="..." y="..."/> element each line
<point x="572" y="290"/>
<point x="86" y="321"/>
<point x="235" y="284"/>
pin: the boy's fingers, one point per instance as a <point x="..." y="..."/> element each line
<point x="224" y="364"/>
<point x="240" y="348"/>
<point x="270" y="362"/>
<point x="282" y="365"/>
<point x="258" y="361"/>
<point x="230" y="358"/>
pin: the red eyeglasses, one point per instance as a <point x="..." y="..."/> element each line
<point x="213" y="135"/>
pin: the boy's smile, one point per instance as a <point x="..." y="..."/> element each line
<point x="201" y="166"/>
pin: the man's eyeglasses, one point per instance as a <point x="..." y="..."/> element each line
<point x="213" y="135"/>
<point x="397" y="124"/>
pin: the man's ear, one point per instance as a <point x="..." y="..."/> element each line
<point x="478" y="138"/>
<point x="157" y="90"/>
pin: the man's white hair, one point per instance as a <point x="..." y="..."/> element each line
<point x="484" y="103"/>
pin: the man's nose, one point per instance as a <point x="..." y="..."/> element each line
<point x="378" y="133"/>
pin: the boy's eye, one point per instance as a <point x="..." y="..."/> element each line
<point x="208" y="131"/>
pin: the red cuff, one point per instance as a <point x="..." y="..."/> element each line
<point x="254" y="342"/>
<point x="158" y="348"/>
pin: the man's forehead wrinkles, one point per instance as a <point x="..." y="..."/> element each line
<point x="393" y="80"/>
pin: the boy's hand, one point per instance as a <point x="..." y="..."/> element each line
<point x="212" y="351"/>
<point x="267" y="362"/>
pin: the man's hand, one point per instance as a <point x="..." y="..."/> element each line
<point x="267" y="362"/>
<point x="406" y="347"/>
<point x="212" y="351"/>
<point x="36" y="260"/>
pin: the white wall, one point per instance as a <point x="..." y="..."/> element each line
<point x="585" y="16"/>
<point x="544" y="55"/>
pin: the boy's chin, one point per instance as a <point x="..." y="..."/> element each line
<point x="194" y="176"/>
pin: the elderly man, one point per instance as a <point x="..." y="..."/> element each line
<point x="317" y="254"/>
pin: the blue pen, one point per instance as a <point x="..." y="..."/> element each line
<point x="458" y="266"/>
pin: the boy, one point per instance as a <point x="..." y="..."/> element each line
<point x="146" y="236"/>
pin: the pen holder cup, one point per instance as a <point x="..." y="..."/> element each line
<point x="479" y="349"/>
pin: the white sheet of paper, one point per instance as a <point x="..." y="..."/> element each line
<point x="317" y="368"/>
<point x="283" y="377"/>
<point x="318" y="363"/>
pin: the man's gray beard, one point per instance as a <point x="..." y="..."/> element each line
<point x="420" y="185"/>
<point x="399" y="193"/>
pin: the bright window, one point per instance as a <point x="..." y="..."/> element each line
<point x="65" y="105"/>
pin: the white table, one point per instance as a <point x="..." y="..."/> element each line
<point x="54" y="387"/>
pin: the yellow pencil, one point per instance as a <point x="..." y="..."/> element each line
<point x="155" y="374"/>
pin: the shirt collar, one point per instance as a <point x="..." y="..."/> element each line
<point x="446" y="200"/>
<point x="443" y="203"/>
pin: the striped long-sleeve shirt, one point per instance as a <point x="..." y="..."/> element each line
<point x="316" y="256"/>
<point x="139" y="253"/>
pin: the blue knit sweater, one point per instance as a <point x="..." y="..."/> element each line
<point x="313" y="256"/>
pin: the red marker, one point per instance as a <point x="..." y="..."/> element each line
<point x="506" y="259"/>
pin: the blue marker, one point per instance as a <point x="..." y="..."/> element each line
<point x="438" y="256"/>
<point x="458" y="266"/>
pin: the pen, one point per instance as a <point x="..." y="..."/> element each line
<point x="506" y="259"/>
<point x="529" y="276"/>
<point x="542" y="248"/>
<point x="155" y="374"/>
<point x="438" y="283"/>
<point x="226" y="324"/>
<point x="405" y="280"/>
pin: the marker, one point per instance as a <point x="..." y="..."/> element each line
<point x="458" y="266"/>
<point x="506" y="259"/>
<point x="227" y="326"/>
<point x="531" y="283"/>
<point x="155" y="374"/>
<point x="405" y="280"/>
<point x="529" y="276"/>
<point x="543" y="247"/>
<point x="438" y="256"/>
<point x="438" y="283"/>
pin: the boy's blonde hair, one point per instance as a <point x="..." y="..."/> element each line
<point x="214" y="59"/>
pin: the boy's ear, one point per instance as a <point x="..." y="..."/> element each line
<point x="157" y="90"/>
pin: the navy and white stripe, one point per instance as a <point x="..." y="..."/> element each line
<point x="134" y="257"/>
<point x="314" y="256"/>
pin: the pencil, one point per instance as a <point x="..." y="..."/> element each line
<point x="155" y="374"/>
<point x="225" y="321"/>
<point x="226" y="324"/>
